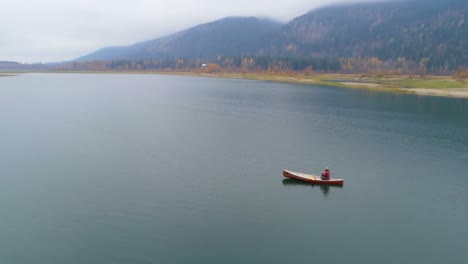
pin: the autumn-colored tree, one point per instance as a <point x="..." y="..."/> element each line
<point x="212" y="68"/>
<point x="422" y="69"/>
<point x="180" y="64"/>
<point x="308" y="71"/>
<point x="461" y="73"/>
<point x="390" y="72"/>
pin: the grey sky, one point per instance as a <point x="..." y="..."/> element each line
<point x="57" y="30"/>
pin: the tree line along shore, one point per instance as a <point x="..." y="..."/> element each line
<point x="363" y="73"/>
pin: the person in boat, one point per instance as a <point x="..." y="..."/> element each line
<point x="326" y="174"/>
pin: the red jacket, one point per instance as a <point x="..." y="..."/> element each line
<point x="326" y="174"/>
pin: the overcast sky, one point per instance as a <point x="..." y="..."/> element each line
<point x="58" y="30"/>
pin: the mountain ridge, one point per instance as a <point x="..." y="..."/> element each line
<point x="250" y="37"/>
<point x="428" y="31"/>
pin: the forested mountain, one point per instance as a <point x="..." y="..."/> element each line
<point x="415" y="30"/>
<point x="410" y="32"/>
<point x="232" y="36"/>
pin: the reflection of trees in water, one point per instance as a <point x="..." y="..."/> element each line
<point x="324" y="188"/>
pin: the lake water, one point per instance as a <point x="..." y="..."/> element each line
<point x="166" y="169"/>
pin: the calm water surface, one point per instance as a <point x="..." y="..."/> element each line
<point x="163" y="169"/>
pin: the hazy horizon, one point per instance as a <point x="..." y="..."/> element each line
<point x="54" y="30"/>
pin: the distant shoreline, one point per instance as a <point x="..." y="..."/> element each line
<point x="443" y="86"/>
<point x="7" y="75"/>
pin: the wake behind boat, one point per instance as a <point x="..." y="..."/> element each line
<point x="311" y="178"/>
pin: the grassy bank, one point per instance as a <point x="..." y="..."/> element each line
<point x="405" y="84"/>
<point x="429" y="85"/>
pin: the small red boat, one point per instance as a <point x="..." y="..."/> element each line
<point x="311" y="178"/>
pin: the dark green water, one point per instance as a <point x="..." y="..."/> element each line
<point x="162" y="169"/>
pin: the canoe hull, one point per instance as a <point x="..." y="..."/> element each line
<point x="311" y="178"/>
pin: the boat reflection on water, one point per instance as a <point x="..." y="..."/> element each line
<point x="324" y="188"/>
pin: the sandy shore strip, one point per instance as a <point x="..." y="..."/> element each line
<point x="370" y="85"/>
<point x="453" y="92"/>
<point x="444" y="92"/>
<point x="6" y="75"/>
